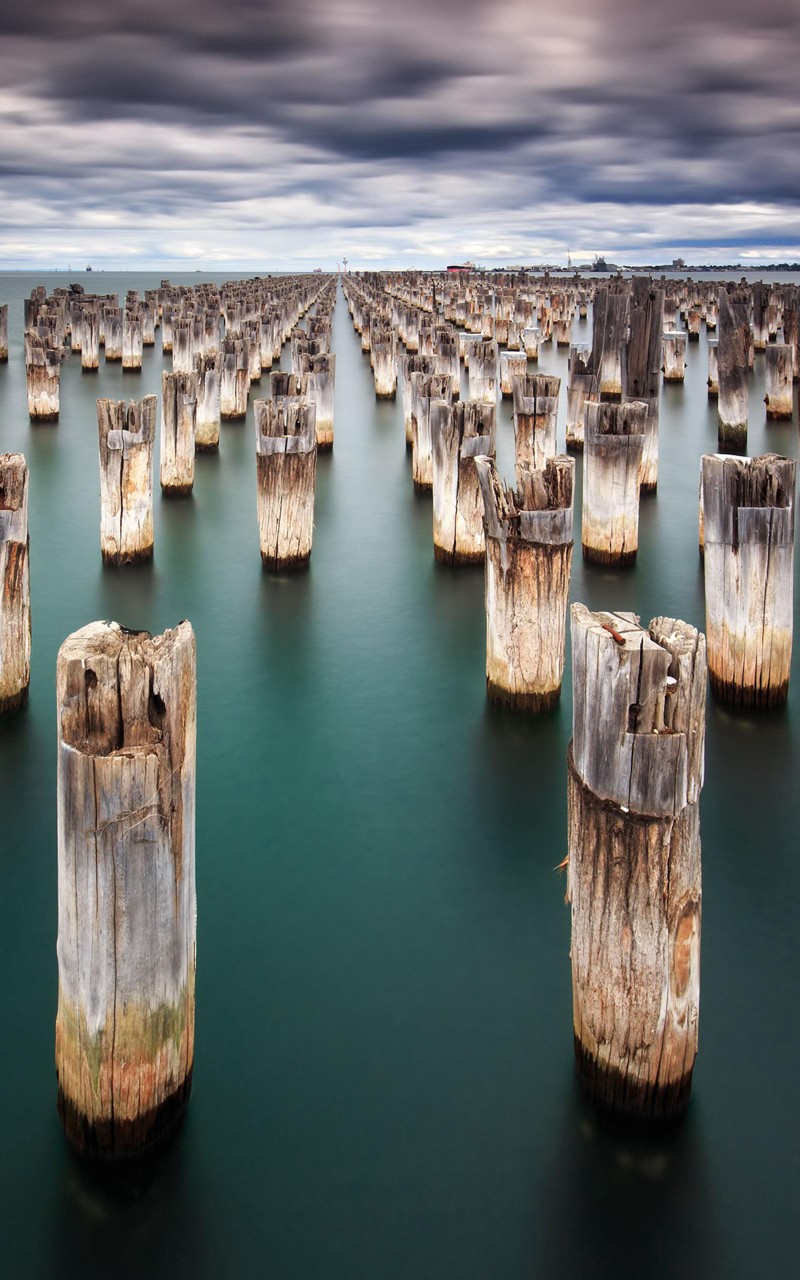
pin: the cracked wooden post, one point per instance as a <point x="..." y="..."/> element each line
<point x="234" y="379"/>
<point x="112" y="325"/>
<point x="127" y="434"/>
<point x="286" y="471"/>
<point x="42" y="379"/>
<point x="425" y="388"/>
<point x="609" y="329"/>
<point x="178" y="413"/>
<point x="383" y="347"/>
<point x="126" y="885"/>
<point x="320" y="386"/>
<point x="674" y="366"/>
<point x="460" y="433"/>
<point x="748" y="534"/>
<point x="642" y="368"/>
<point x="581" y="386"/>
<point x="528" y="560"/>
<point x="409" y="365"/>
<point x="733" y="345"/>
<point x="15" y="590"/>
<point x="512" y="365"/>
<point x="4" y="333"/>
<point x="634" y="774"/>
<point x="779" y="378"/>
<point x="535" y="421"/>
<point x="89" y="340"/>
<point x="612" y="461"/>
<point x="132" y="341"/>
<point x="483" y="372"/>
<point x="207" y="370"/>
<point x="530" y="342"/>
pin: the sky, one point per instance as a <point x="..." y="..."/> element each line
<point x="413" y="133"/>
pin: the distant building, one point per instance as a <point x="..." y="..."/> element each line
<point x="678" y="264"/>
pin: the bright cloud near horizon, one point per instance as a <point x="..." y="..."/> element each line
<point x="252" y="134"/>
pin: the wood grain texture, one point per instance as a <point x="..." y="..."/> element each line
<point x="635" y="770"/>
<point x="613" y="450"/>
<point x="126" y="884"/>
<point x="178" y="413"/>
<point x="459" y="433"/>
<point x="126" y="437"/>
<point x="286" y="470"/>
<point x="15" y="591"/>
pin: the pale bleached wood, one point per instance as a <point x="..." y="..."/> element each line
<point x="732" y="365"/>
<point x="459" y="433"/>
<point x="612" y="460"/>
<point x="15" y="591"/>
<point x="483" y="372"/>
<point x="234" y="379"/>
<point x="748" y="534"/>
<point x="89" y="339"/>
<point x="207" y="372"/>
<point x="112" y="327"/>
<point x="713" y="371"/>
<point x="4" y="333"/>
<point x="178" y="414"/>
<point x="641" y="376"/>
<point x="319" y="372"/>
<point x="779" y="397"/>
<point x="42" y="379"/>
<point x="512" y="365"/>
<point x="424" y="389"/>
<point x="674" y="353"/>
<point x="132" y="341"/>
<point x="535" y="421"/>
<point x="126" y="884"/>
<point x="528" y="536"/>
<point x="126" y="437"/>
<point x="412" y="364"/>
<point x="635" y="770"/>
<point x="609" y="333"/>
<point x="286" y="470"/>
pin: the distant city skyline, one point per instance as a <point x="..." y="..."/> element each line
<point x="255" y="135"/>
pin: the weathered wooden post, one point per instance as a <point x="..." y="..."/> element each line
<point x="483" y="372"/>
<point x="132" y="341"/>
<point x="733" y="345"/>
<point x="609" y="329"/>
<point x="320" y="375"/>
<point x="535" y="421"/>
<point x="748" y="519"/>
<point x="612" y="462"/>
<point x="674" y="367"/>
<point x="4" y="333"/>
<point x="178" y="414"/>
<point x="234" y="379"/>
<point x="409" y="365"/>
<point x="581" y="387"/>
<point x="127" y="433"/>
<point x="425" y="389"/>
<point x="286" y="469"/>
<point x="90" y="340"/>
<point x="642" y="368"/>
<point x="126" y="884"/>
<point x="713" y="369"/>
<point x="207" y="370"/>
<point x="780" y="372"/>
<point x="530" y="342"/>
<point x="460" y="433"/>
<point x="512" y="365"/>
<point x="42" y="379"/>
<point x="528" y="560"/>
<point x="634" y="774"/>
<point x="112" y="324"/>
<point x="15" y="591"/>
<point x="383" y="346"/>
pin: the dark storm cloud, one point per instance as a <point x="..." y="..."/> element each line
<point x="475" y="116"/>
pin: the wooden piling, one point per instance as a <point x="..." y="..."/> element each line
<point x="713" y="369"/>
<point x="460" y="432"/>
<point x="132" y="341"/>
<point x="15" y="591"/>
<point x="779" y="378"/>
<point x="733" y="345"/>
<point x="425" y="388"/>
<point x="320" y="386"/>
<point x="535" y="421"/>
<point x="178" y="414"/>
<point x="207" y="370"/>
<point x="674" y="366"/>
<point x="635" y="770"/>
<point x="748" y="532"/>
<point x="286" y="469"/>
<point x="641" y="376"/>
<point x="528" y="535"/>
<point x="483" y="360"/>
<point x="512" y="365"/>
<point x="126" y="885"/>
<point x="234" y="379"/>
<point x="612" y="460"/>
<point x="90" y="340"/>
<point x="609" y="330"/>
<point x="42" y="379"/>
<point x="127" y="434"/>
<point x="4" y="333"/>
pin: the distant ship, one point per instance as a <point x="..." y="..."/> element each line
<point x="462" y="266"/>
<point x="88" y="268"/>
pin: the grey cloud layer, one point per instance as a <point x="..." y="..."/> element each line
<point x="504" y="125"/>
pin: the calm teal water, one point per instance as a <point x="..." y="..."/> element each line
<point x="383" y="1075"/>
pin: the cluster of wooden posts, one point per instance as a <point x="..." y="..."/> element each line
<point x="636" y="759"/>
<point x="126" y="700"/>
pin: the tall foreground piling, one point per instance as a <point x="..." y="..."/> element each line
<point x="528" y="561"/>
<point x="126" y="437"/>
<point x="748" y="534"/>
<point x="635" y="770"/>
<point x="642" y="368"/>
<point x="126" y="884"/>
<point x="15" y="591"/>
